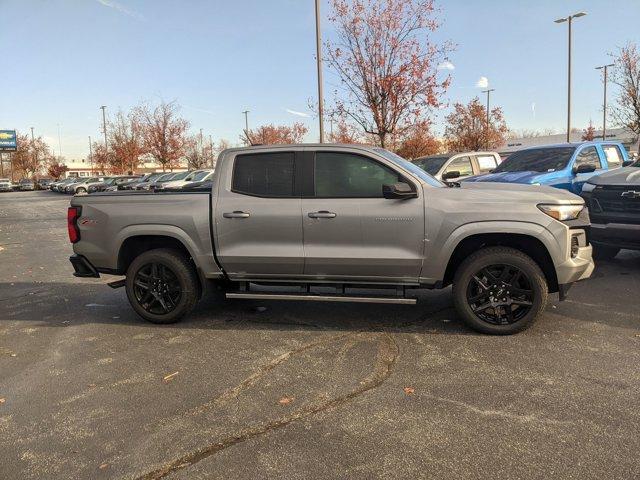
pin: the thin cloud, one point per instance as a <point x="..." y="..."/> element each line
<point x="298" y="114"/>
<point x="446" y="65"/>
<point x="533" y="109"/>
<point x="483" y="82"/>
<point x="120" y="8"/>
<point x="199" y="109"/>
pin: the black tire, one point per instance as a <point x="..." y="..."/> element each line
<point x="81" y="190"/>
<point x="525" y="291"/>
<point x="604" y="252"/>
<point x="174" y="288"/>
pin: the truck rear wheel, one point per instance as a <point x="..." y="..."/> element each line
<point x="162" y="285"/>
<point x="499" y="290"/>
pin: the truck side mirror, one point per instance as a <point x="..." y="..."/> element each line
<point x="628" y="163"/>
<point x="450" y="175"/>
<point x="398" y="190"/>
<point x="584" y="168"/>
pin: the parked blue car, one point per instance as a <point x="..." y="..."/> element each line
<point x="566" y="165"/>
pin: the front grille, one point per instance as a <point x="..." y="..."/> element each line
<point x="610" y="200"/>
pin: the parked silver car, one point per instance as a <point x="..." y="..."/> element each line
<point x="5" y="185"/>
<point x="27" y="184"/>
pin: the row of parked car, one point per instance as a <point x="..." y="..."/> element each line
<point x="590" y="169"/>
<point x="193" y="179"/>
<point x="26" y="184"/>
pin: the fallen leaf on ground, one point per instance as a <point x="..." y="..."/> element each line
<point x="169" y="377"/>
<point x="103" y="466"/>
<point x="409" y="390"/>
<point x="2" y="400"/>
<point x="14" y="355"/>
<point x="285" y="400"/>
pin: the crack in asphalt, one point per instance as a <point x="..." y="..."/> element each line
<point x="387" y="355"/>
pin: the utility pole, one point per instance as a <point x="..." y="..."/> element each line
<point x="488" y="92"/>
<point x="246" y="126"/>
<point x="211" y="146"/>
<point x="201" y="145"/>
<point x="90" y="155"/>
<point x="104" y="127"/>
<point x="569" y="19"/>
<point x="59" y="141"/>
<point x="319" y="65"/>
<point x="604" y="100"/>
<point x="35" y="152"/>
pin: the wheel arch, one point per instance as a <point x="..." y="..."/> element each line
<point x="527" y="244"/>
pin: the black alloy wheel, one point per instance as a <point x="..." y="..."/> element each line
<point x="500" y="294"/>
<point x="157" y="289"/>
<point x="162" y="285"/>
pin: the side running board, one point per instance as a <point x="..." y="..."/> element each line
<point x="321" y="298"/>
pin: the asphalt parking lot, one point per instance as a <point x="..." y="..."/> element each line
<point x="298" y="390"/>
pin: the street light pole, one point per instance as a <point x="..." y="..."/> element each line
<point x="246" y="126"/>
<point x="488" y="92"/>
<point x="59" y="141"/>
<point x="104" y="127"/>
<point x="319" y="65"/>
<point x="90" y="155"/>
<point x="569" y="19"/>
<point x="604" y="100"/>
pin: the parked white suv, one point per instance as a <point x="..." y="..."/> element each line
<point x="457" y="166"/>
<point x="5" y="185"/>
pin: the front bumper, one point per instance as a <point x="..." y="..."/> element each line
<point x="620" y="235"/>
<point x="576" y="268"/>
<point x="83" y="267"/>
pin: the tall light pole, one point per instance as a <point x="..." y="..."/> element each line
<point x="488" y="92"/>
<point x="569" y="19"/>
<point x="104" y="126"/>
<point x="211" y="146"/>
<point x="59" y="140"/>
<point x="90" y="155"/>
<point x="246" y="125"/>
<point x="319" y="65"/>
<point x="604" y="100"/>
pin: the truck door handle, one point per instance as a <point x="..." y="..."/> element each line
<point x="322" y="214"/>
<point x="236" y="214"/>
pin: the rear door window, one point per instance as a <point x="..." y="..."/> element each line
<point x="462" y="165"/>
<point x="264" y="174"/>
<point x="613" y="155"/>
<point x="589" y="156"/>
<point x="486" y="163"/>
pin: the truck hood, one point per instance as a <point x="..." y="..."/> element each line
<point x="618" y="176"/>
<point x="510" y="193"/>
<point x="508" y="177"/>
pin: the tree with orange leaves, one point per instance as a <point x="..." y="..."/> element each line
<point x="346" y="133"/>
<point x="386" y="63"/>
<point x="164" y="133"/>
<point x="589" y="133"/>
<point x="125" y="143"/>
<point x="626" y="75"/>
<point x="467" y="130"/>
<point x="418" y="142"/>
<point x="275" y="134"/>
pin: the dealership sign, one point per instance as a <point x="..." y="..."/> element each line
<point x="8" y="141"/>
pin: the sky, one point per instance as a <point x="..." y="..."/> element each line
<point x="63" y="59"/>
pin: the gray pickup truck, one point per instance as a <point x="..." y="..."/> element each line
<point x="329" y="222"/>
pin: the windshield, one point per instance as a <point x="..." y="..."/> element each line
<point x="431" y="165"/>
<point x="548" y="159"/>
<point x="180" y="176"/>
<point x="200" y="176"/>
<point x="417" y="171"/>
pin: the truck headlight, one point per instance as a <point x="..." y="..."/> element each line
<point x="588" y="187"/>
<point x="562" y="212"/>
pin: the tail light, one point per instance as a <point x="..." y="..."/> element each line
<point x="73" y="213"/>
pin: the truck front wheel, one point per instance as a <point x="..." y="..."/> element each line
<point x="162" y="285"/>
<point x="499" y="290"/>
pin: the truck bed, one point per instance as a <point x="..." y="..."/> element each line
<point x="109" y="219"/>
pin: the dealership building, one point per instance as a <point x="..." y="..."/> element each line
<point x="622" y="135"/>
